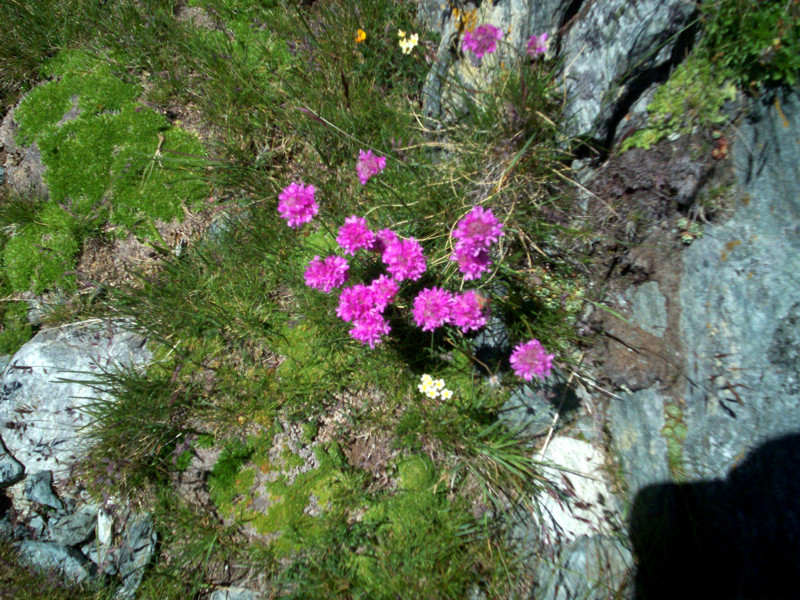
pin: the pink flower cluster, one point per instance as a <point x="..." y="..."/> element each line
<point x="369" y="165"/>
<point x="363" y="306"/>
<point x="529" y="360"/>
<point x="296" y="204"/>
<point x="482" y="40"/>
<point x="434" y="307"/>
<point x="474" y="235"/>
<point x="324" y="275"/>
<point x="355" y="234"/>
<point x="537" y="45"/>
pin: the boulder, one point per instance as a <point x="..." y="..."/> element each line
<point x="49" y="556"/>
<point x="48" y="382"/>
<point x="611" y="54"/>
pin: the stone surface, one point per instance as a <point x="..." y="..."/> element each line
<point x="11" y="470"/>
<point x="585" y="505"/>
<point x="739" y="297"/>
<point x="48" y="556"/>
<point x="635" y="421"/>
<point x="73" y="529"/>
<point x="613" y="53"/>
<point x="40" y="414"/>
<point x="649" y="307"/>
<point x="135" y="554"/>
<point x="39" y="489"/>
<point x="234" y="593"/>
<point x="586" y="568"/>
<point x="23" y="165"/>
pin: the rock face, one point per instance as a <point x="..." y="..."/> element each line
<point x="39" y="412"/>
<point x="612" y="53"/>
<point x="41" y="419"/>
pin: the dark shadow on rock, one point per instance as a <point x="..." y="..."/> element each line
<point x="735" y="538"/>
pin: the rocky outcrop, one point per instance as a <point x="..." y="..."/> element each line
<point x="610" y="53"/>
<point x="46" y="384"/>
<point x="43" y="390"/>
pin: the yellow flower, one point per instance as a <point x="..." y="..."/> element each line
<point x="401" y="33"/>
<point x="361" y="35"/>
<point x="407" y="44"/>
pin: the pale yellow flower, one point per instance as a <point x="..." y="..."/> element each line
<point x="446" y="394"/>
<point x="407" y="44"/>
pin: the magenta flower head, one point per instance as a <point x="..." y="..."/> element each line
<point x="355" y="302"/>
<point x="369" y="328"/>
<point x="355" y="234"/>
<point x="537" y="45"/>
<point x="324" y="275"/>
<point x="296" y="204"/>
<point x="382" y="240"/>
<point x="482" y="40"/>
<point x="369" y="165"/>
<point x="469" y="310"/>
<point x="477" y="230"/>
<point x="530" y="360"/>
<point x="384" y="289"/>
<point x="432" y="308"/>
<point x="404" y="259"/>
<point x="472" y="266"/>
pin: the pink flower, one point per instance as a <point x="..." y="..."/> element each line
<point x="369" y="165"/>
<point x="482" y="40"/>
<point x="296" y="204"/>
<point x="369" y="328"/>
<point x="326" y="274"/>
<point x="468" y="311"/>
<point x="477" y="230"/>
<point x="471" y="266"/>
<point x="404" y="259"/>
<point x="530" y="360"/>
<point x="537" y="45"/>
<point x="432" y="308"/>
<point x="355" y="302"/>
<point x="382" y="239"/>
<point x="384" y="289"/>
<point x="355" y="234"/>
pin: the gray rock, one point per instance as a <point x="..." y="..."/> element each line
<point x="612" y="54"/>
<point x="636" y="420"/>
<point x="612" y="50"/>
<point x="649" y="307"/>
<point x="527" y="411"/>
<point x="48" y="556"/>
<point x="740" y="301"/>
<point x="234" y="593"/>
<point x="11" y="470"/>
<point x="585" y="569"/>
<point x="75" y="528"/>
<point x="585" y="503"/>
<point x="135" y="554"/>
<point x="23" y="167"/>
<point x="39" y="489"/>
<point x="40" y="413"/>
<point x="36" y="526"/>
<point x="104" y="557"/>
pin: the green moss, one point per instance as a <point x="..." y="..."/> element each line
<point x="38" y="257"/>
<point x="416" y="531"/>
<point x="692" y="97"/>
<point x="674" y="432"/>
<point x="16" y="329"/>
<point x="115" y="156"/>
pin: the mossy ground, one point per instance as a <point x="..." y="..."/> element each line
<point x="334" y="476"/>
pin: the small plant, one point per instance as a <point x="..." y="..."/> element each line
<point x="689" y="231"/>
